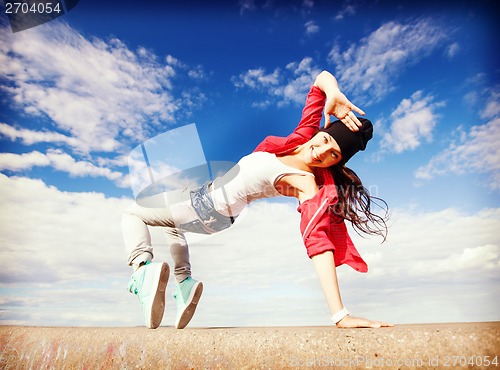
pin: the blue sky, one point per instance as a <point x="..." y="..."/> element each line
<point x="80" y="92"/>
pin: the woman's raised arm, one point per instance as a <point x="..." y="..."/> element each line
<point x="337" y="103"/>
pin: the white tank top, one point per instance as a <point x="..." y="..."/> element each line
<point x="254" y="177"/>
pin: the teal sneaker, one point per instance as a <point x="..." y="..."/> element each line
<point x="187" y="294"/>
<point x="149" y="283"/>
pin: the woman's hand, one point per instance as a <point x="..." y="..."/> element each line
<point x="336" y="102"/>
<point x="359" y="322"/>
<point x="338" y="105"/>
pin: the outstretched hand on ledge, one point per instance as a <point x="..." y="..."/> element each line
<point x="359" y="322"/>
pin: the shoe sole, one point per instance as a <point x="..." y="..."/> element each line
<point x="192" y="303"/>
<point x="158" y="306"/>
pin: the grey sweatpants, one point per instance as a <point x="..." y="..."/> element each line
<point x="159" y="211"/>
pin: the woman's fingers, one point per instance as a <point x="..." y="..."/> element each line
<point x="359" y="322"/>
<point x="327" y="119"/>
<point x="350" y="122"/>
<point x="360" y="111"/>
<point x="344" y="112"/>
<point x="386" y="324"/>
<point x="380" y="324"/>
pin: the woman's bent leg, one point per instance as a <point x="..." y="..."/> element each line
<point x="137" y="238"/>
<point x="149" y="282"/>
<point x="182" y="266"/>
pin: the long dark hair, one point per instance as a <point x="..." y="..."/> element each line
<point x="355" y="203"/>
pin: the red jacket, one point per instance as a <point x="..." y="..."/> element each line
<point x="321" y="230"/>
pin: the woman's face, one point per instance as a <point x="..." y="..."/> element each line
<point x="321" y="151"/>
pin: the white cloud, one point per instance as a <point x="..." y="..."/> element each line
<point x="172" y="61"/>
<point x="99" y="94"/>
<point x="475" y="151"/>
<point x="68" y="232"/>
<point x="21" y="162"/>
<point x="297" y="86"/>
<point x="120" y="161"/>
<point x="411" y="122"/>
<point x="69" y="247"/>
<point x="347" y="10"/>
<point x="283" y="85"/>
<point x="196" y="73"/>
<point x="308" y="4"/>
<point x="311" y="27"/>
<point x="453" y="50"/>
<point x="445" y="263"/>
<point x="485" y="257"/>
<point x="60" y="161"/>
<point x="262" y="104"/>
<point x="64" y="162"/>
<point x="247" y="5"/>
<point x="424" y="240"/>
<point x="368" y="70"/>
<point x="492" y="108"/>
<point x="257" y="79"/>
<point x="66" y="248"/>
<point x="29" y="137"/>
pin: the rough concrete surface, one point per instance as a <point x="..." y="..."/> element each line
<point x="426" y="346"/>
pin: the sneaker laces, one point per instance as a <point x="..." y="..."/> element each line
<point x="132" y="286"/>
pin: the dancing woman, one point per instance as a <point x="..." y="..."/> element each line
<point x="309" y="165"/>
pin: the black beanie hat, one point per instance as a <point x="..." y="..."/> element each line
<point x="350" y="142"/>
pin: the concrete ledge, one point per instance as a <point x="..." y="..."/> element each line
<point x="404" y="346"/>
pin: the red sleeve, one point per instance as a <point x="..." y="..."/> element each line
<point x="311" y="114"/>
<point x="315" y="221"/>
<point x="306" y="129"/>
<point x="322" y="231"/>
<point x="345" y="251"/>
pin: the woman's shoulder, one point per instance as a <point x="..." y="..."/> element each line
<point x="258" y="155"/>
<point x="301" y="186"/>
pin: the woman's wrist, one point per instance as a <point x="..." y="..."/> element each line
<point x="327" y="83"/>
<point x="339" y="316"/>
